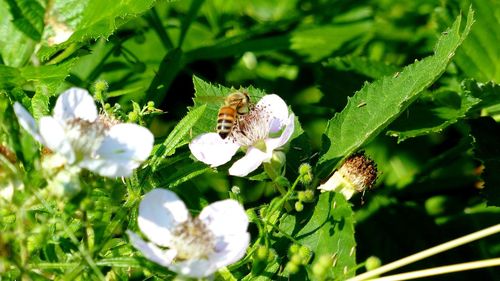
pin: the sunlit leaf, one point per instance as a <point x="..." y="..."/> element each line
<point x="376" y="105"/>
<point x="328" y="229"/>
<point x="78" y="21"/>
<point x="27" y="17"/>
<point x="184" y="126"/>
<point x="479" y="57"/>
<point x="15" y="46"/>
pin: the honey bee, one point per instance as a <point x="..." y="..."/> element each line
<point x="235" y="105"/>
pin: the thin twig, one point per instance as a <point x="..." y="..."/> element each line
<point x="429" y="252"/>
<point x="441" y="270"/>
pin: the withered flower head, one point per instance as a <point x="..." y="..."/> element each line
<point x="357" y="174"/>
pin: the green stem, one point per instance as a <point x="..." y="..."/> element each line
<point x="226" y="274"/>
<point x="283" y="233"/>
<point x="282" y="201"/>
<point x="155" y="21"/>
<point x="188" y="19"/>
<point x="65" y="54"/>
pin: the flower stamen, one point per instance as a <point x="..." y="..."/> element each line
<point x="193" y="240"/>
<point x="252" y="128"/>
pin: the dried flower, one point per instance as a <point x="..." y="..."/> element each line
<point x="357" y="174"/>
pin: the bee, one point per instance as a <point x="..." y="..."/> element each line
<point x="235" y="105"/>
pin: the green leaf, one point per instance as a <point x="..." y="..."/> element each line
<point x="76" y="21"/>
<point x="320" y="42"/>
<point x="177" y="170"/>
<point x="362" y="65"/>
<point x="432" y="114"/>
<point x="28" y="17"/>
<point x="377" y="104"/>
<point x="488" y="93"/>
<point x="329" y="231"/>
<point x="486" y="134"/>
<point x="46" y="78"/>
<point x="167" y="148"/>
<point x="213" y="97"/>
<point x="15" y="46"/>
<point x="237" y="48"/>
<point x="478" y="56"/>
<point x="40" y="105"/>
<point x="168" y="70"/>
<point x="10" y="77"/>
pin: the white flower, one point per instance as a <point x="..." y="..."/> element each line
<point x="264" y="129"/>
<point x="193" y="247"/>
<point x="87" y="140"/>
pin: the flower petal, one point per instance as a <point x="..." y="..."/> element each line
<point x="273" y="143"/>
<point x="277" y="109"/>
<point x="231" y="249"/>
<point x="159" y="212"/>
<point x="249" y="162"/>
<point x="27" y="121"/>
<point x="54" y="137"/>
<point x="225" y="217"/>
<point x="75" y="103"/>
<point x="194" y="268"/>
<point x="211" y="149"/>
<point x="151" y="251"/>
<point x="124" y="148"/>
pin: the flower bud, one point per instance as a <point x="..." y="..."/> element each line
<point x="296" y="259"/>
<point x="235" y="189"/>
<point x="305" y="168"/>
<point x="321" y="266"/>
<point x="305" y="253"/>
<point x="294" y="249"/>
<point x="261" y="253"/>
<point x="299" y="207"/>
<point x="308" y="196"/>
<point x="357" y="174"/>
<point x="372" y="263"/>
<point x="291" y="267"/>
<point x="101" y="87"/>
<point x="133" y="116"/>
<point x="305" y="173"/>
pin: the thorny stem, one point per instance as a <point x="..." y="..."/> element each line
<point x="429" y="252"/>
<point x="282" y="201"/>
<point x="273" y="174"/>
<point x="283" y="233"/>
